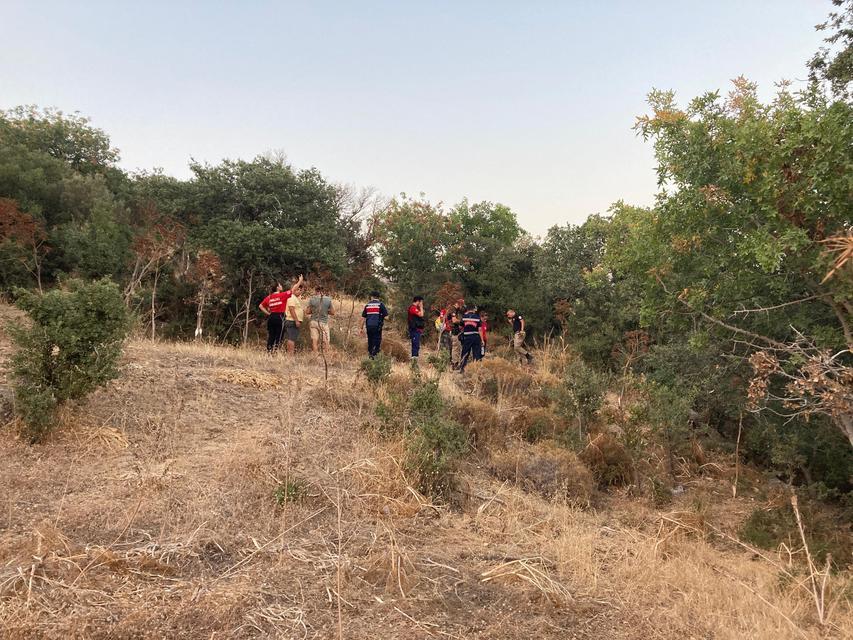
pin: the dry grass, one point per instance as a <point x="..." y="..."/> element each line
<point x="536" y="423"/>
<point x="503" y="383"/>
<point x="152" y="513"/>
<point x="484" y="423"/>
<point x="608" y="459"/>
<point x="547" y="469"/>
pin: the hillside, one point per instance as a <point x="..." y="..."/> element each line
<point x="153" y="513"/>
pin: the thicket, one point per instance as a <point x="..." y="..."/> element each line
<point x="71" y="346"/>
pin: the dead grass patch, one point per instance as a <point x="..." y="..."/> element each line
<point x="483" y="422"/>
<point x="546" y="469"/>
<point x="395" y="348"/>
<point x="536" y="423"/>
<point x="609" y="460"/>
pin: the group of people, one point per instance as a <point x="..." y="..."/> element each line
<point x="462" y="329"/>
<point x="286" y="313"/>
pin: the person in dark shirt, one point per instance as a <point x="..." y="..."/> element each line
<point x="470" y="337"/>
<point x="374" y="315"/>
<point x="516" y="321"/>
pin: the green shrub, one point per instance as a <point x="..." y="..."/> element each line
<point x="71" y="348"/>
<point x="768" y="528"/>
<point x="434" y="440"/>
<point x="377" y="369"/>
<point x="440" y="360"/>
<point x="433" y="447"/>
<point x="426" y="401"/>
<point x="581" y="393"/>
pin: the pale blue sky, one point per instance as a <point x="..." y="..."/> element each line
<point x="526" y="103"/>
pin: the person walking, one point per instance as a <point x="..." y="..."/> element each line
<point x="416" y="325"/>
<point x="319" y="309"/>
<point x="470" y="337"/>
<point x="274" y="306"/>
<point x="373" y="315"/>
<point x="516" y="321"/>
<point x="293" y="321"/>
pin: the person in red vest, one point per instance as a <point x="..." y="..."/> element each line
<point x="416" y="324"/>
<point x="274" y="306"/>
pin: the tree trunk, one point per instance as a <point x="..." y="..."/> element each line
<point x="199" y="317"/>
<point x="248" y="309"/>
<point x="37" y="263"/>
<point x="153" y="299"/>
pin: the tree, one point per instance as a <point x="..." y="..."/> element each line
<point x="206" y="274"/>
<point x="67" y="137"/>
<point x="158" y="243"/>
<point x="412" y="243"/>
<point x="833" y="63"/>
<point x="26" y="232"/>
<point x="736" y="241"/>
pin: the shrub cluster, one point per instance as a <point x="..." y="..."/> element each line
<point x="71" y="347"/>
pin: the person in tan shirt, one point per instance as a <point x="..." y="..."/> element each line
<point x="293" y="321"/>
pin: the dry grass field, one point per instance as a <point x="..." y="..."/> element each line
<point x="212" y="492"/>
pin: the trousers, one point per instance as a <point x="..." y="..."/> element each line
<point x="518" y="344"/>
<point x="415" y="336"/>
<point x="374" y="340"/>
<point x="275" y="331"/>
<point x="471" y="348"/>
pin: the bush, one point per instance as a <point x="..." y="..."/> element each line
<point x="433" y="447"/>
<point x="377" y="369"/>
<point x="496" y="378"/>
<point x="434" y="440"/>
<point x="71" y="348"/>
<point x="536" y="424"/>
<point x="395" y="349"/>
<point x="580" y="393"/>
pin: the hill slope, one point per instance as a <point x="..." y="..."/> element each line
<point x="219" y="493"/>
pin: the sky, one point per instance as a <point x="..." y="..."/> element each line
<point x="526" y="103"/>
